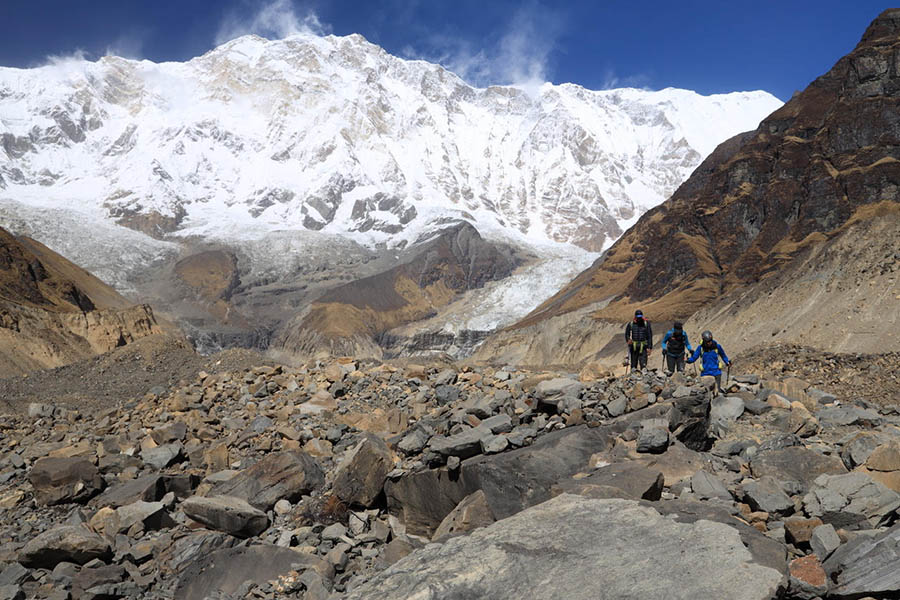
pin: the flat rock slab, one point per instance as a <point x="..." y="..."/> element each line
<point x="286" y="475"/>
<point x="62" y="480"/>
<point x="578" y="549"/>
<point x="796" y="463"/>
<point x="223" y="571"/>
<point x="69" y="543"/>
<point x="226" y="513"/>
<point x="866" y="566"/>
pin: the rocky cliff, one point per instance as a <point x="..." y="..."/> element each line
<point x="811" y="196"/>
<point x="52" y="312"/>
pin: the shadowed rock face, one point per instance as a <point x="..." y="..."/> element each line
<point x="349" y="319"/>
<point x="825" y="160"/>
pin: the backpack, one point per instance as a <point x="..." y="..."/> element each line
<point x="675" y="345"/>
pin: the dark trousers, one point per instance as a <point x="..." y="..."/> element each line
<point x="638" y="354"/>
<point x="675" y="363"/>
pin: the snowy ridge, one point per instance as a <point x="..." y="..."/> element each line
<point x="333" y="134"/>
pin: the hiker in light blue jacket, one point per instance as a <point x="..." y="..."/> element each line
<point x="711" y="350"/>
<point x="674" y="345"/>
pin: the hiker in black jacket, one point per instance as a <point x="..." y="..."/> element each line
<point x="639" y="338"/>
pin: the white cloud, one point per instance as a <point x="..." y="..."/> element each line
<point x="127" y="46"/>
<point x="611" y="81"/>
<point x="520" y="56"/>
<point x="275" y="19"/>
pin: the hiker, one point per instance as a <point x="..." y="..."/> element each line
<point x="711" y="351"/>
<point x="674" y="345"/>
<point x="639" y="339"/>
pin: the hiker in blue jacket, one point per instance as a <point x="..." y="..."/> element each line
<point x="711" y="351"/>
<point x="674" y="345"/>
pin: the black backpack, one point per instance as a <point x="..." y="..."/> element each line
<point x="675" y="345"/>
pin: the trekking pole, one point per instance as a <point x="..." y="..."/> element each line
<point x="727" y="374"/>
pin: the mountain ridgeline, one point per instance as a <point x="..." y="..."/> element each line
<point x="788" y="232"/>
<point x="233" y="190"/>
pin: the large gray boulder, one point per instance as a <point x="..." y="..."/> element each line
<point x="618" y="480"/>
<point x="560" y="394"/>
<point x="226" y="513"/>
<point x="768" y="496"/>
<point x="511" y="481"/>
<point x="224" y="571"/>
<point x="851" y="501"/>
<point x="69" y="543"/>
<point x="287" y="475"/>
<point x="360" y="477"/>
<point x="578" y="549"/>
<point x="63" y="480"/>
<point x="797" y="464"/>
<point x="866" y="566"/>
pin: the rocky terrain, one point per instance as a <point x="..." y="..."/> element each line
<point x="53" y="312"/>
<point x="790" y="233"/>
<point x="362" y="479"/>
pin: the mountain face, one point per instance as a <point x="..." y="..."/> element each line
<point x="52" y="312"/>
<point x="789" y="233"/>
<point x="320" y="144"/>
<point x="349" y="319"/>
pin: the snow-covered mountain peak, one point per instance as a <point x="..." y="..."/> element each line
<point x="334" y="134"/>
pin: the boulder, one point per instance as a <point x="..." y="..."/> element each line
<point x="618" y="480"/>
<point x="471" y="513"/>
<point x="287" y="475"/>
<point x="824" y="541"/>
<point x="226" y="513"/>
<point x="161" y="457"/>
<point x="852" y="501"/>
<point x="808" y="579"/>
<point x="866" y="566"/>
<point x="796" y="463"/>
<point x="511" y="481"/>
<point x="224" y="571"/>
<point x="593" y="548"/>
<point x="767" y="495"/>
<point x="707" y="486"/>
<point x="64" y="480"/>
<point x="857" y="450"/>
<point x="148" y="488"/>
<point x="798" y="530"/>
<point x="653" y="436"/>
<point x="360" y="477"/>
<point x="66" y="543"/>
<point x="464" y="444"/>
<point x="723" y="412"/>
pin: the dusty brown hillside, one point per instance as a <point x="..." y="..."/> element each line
<point x="53" y="312"/>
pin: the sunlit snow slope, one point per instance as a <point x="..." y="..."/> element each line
<point x="334" y="134"/>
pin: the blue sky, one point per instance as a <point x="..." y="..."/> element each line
<point x="710" y="47"/>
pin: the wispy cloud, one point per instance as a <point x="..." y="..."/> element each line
<point x="275" y="19"/>
<point x="611" y="80"/>
<point x="128" y="45"/>
<point x="521" y="55"/>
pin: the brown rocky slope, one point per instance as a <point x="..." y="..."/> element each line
<point x="802" y="212"/>
<point x="53" y="312"/>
